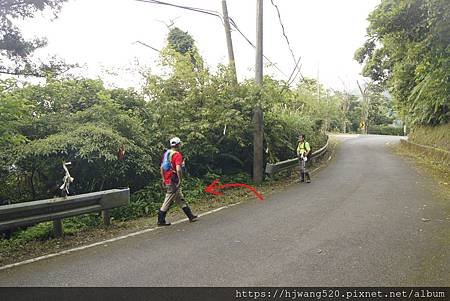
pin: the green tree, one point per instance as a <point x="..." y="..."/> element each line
<point x="79" y="121"/>
<point x="408" y="51"/>
<point x="180" y="41"/>
<point x="14" y="111"/>
<point x="183" y="43"/>
<point x="15" y="50"/>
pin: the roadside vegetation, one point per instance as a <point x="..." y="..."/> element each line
<point x="434" y="136"/>
<point x="81" y="121"/>
<point x="65" y="118"/>
<point x="88" y="229"/>
<point x="407" y="53"/>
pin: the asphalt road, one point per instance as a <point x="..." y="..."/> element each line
<point x="359" y="223"/>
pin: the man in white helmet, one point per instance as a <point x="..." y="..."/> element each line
<point x="171" y="173"/>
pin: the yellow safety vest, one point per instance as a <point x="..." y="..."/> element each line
<point x="303" y="148"/>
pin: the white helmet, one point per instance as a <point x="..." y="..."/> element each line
<point x="175" y="141"/>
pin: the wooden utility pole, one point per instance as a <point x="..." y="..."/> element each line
<point x="327" y="119"/>
<point x="259" y="43"/>
<point x="365" y="107"/>
<point x="318" y="85"/>
<point x="345" y="106"/>
<point x="258" y="119"/>
<point x="226" y="22"/>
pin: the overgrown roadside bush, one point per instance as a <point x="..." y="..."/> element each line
<point x="385" y="130"/>
<point x="82" y="121"/>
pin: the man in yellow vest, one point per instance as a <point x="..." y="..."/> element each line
<point x="303" y="153"/>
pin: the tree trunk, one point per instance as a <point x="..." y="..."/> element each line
<point x="103" y="183"/>
<point x="33" y="191"/>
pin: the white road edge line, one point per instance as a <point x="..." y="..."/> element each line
<point x="105" y="241"/>
<point x="112" y="239"/>
<point x="314" y="171"/>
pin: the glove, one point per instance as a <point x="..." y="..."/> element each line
<point x="305" y="159"/>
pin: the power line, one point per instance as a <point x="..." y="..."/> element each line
<point x="296" y="74"/>
<point x="146" y="45"/>
<point x="289" y="82"/>
<point x="216" y="14"/>
<point x="296" y="62"/>
<point x="200" y="10"/>
<point x="253" y="45"/>
<point x="283" y="30"/>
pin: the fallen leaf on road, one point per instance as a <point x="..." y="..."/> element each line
<point x="425" y="219"/>
<point x="237" y="241"/>
<point x="319" y="251"/>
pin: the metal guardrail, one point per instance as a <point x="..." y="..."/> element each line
<point x="287" y="164"/>
<point x="30" y="213"/>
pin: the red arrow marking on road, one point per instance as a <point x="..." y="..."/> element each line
<point x="214" y="188"/>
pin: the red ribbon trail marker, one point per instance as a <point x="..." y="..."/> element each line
<point x="214" y="188"/>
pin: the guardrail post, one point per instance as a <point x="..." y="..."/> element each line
<point x="8" y="233"/>
<point x="57" y="227"/>
<point x="106" y="217"/>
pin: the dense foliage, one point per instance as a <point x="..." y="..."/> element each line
<point x="82" y="121"/>
<point x="408" y="51"/>
<point x="386" y="130"/>
<point x="79" y="120"/>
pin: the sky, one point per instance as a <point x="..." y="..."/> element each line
<point x="100" y="35"/>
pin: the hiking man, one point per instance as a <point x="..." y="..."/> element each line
<point x="303" y="153"/>
<point x="171" y="173"/>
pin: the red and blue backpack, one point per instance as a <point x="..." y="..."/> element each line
<point x="167" y="160"/>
